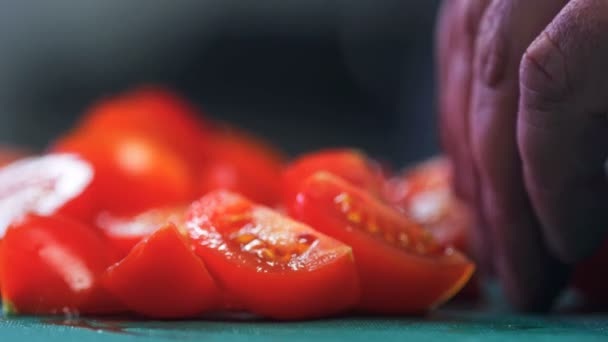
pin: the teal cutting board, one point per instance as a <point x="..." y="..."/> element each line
<point x="492" y="323"/>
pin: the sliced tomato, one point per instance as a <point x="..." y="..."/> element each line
<point x="163" y="278"/>
<point x="240" y="163"/>
<point x="275" y="266"/>
<point x="47" y="185"/>
<point x="351" y="165"/>
<point x="126" y="232"/>
<point x="402" y="269"/>
<point x="424" y="193"/>
<point x="154" y="112"/>
<point x="132" y="173"/>
<point x="52" y="265"/>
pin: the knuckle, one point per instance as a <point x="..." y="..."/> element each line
<point x="491" y="48"/>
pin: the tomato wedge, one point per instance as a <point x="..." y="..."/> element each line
<point x="163" y="278"/>
<point x="52" y="265"/>
<point x="402" y="269"/>
<point x="424" y="193"/>
<point x="152" y="111"/>
<point x="46" y="185"/>
<point x="275" y="266"/>
<point x="240" y="163"/>
<point x="351" y="165"/>
<point x="126" y="232"/>
<point x="132" y="173"/>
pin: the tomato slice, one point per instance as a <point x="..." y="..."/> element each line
<point x="154" y="112"/>
<point x="163" y="278"/>
<point x="352" y="165"/>
<point x="402" y="269"/>
<point x="424" y="193"/>
<point x="52" y="265"/>
<point x="46" y="185"/>
<point x="240" y="163"/>
<point x="132" y="173"/>
<point x="275" y="266"/>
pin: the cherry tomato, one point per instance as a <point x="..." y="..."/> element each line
<point x="240" y="163"/>
<point x="46" y="185"/>
<point x="351" y="165"/>
<point x="126" y="232"/>
<point x="154" y="112"/>
<point x="275" y="266"/>
<point x="132" y="173"/>
<point x="163" y="278"/>
<point x="402" y="269"/>
<point x="52" y="265"/>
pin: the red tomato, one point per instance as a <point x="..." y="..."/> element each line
<point x="163" y="278"/>
<point x="275" y="266"/>
<point x="46" y="185"/>
<point x="590" y="280"/>
<point x="126" y="232"/>
<point x="239" y="163"/>
<point x="424" y="193"/>
<point x="155" y="113"/>
<point x="402" y="269"/>
<point x="351" y="165"/>
<point x="132" y="173"/>
<point x="51" y="265"/>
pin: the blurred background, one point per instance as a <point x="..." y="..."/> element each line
<point x="304" y="74"/>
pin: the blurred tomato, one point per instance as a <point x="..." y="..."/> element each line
<point x="132" y="173"/>
<point x="244" y="164"/>
<point x="11" y="154"/>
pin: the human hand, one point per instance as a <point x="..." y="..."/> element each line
<point x="523" y="99"/>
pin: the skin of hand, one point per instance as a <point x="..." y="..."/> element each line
<point x="523" y="103"/>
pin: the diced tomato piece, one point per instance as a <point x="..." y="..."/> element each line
<point x="126" y="232"/>
<point x="52" y="184"/>
<point x="240" y="163"/>
<point x="163" y="278"/>
<point x="402" y="269"/>
<point x="52" y="265"/>
<point x="132" y="173"/>
<point x="275" y="266"/>
<point x="351" y="165"/>
<point x="154" y="112"/>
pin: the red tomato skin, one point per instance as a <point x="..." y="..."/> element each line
<point x="163" y="278"/>
<point x="241" y="163"/>
<point x="132" y="173"/>
<point x="11" y="154"/>
<point x="329" y="289"/>
<point x="393" y="281"/>
<point x="155" y="112"/>
<point x="51" y="265"/>
<point x="351" y="165"/>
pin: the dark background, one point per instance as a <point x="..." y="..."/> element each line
<point x="304" y="74"/>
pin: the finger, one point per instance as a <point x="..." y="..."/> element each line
<point x="456" y="32"/>
<point x="563" y="128"/>
<point x="532" y="278"/>
<point x="458" y="25"/>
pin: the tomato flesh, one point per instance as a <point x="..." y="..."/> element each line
<point x="163" y="278"/>
<point x="45" y="185"/>
<point x="132" y="173"/>
<point x="402" y="269"/>
<point x="275" y="266"/>
<point x="52" y="265"/>
<point x="126" y="232"/>
<point x="351" y="165"/>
